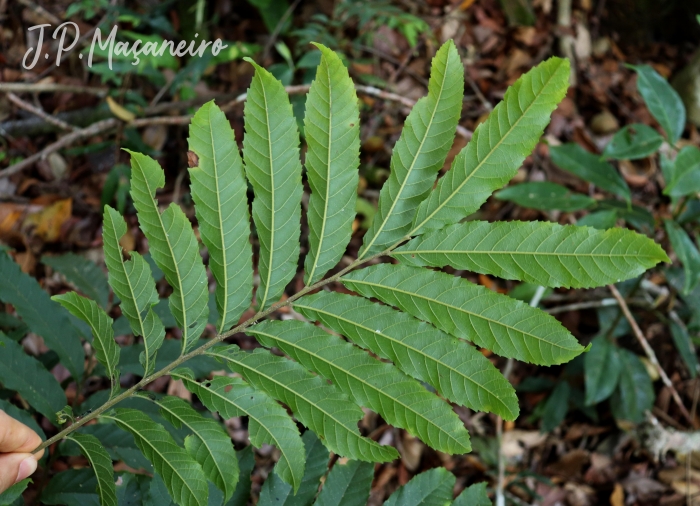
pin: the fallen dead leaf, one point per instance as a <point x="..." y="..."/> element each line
<point x="617" y="498"/>
<point x="47" y="223"/>
<point x="119" y="111"/>
<point x="516" y="442"/>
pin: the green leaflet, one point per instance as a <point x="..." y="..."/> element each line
<point x="219" y="191"/>
<point x="182" y="475"/>
<point x="119" y="445"/>
<point x="601" y="220"/>
<point x="133" y="284"/>
<point x="401" y="401"/>
<point x="101" y="464"/>
<point x="13" y="495"/>
<point x="575" y="159"/>
<point x="554" y="410"/>
<point x="635" y="392"/>
<point x="429" y="488"/>
<point x="315" y="403"/>
<point x="685" y="347"/>
<point x="347" y="484"/>
<point x="543" y="253"/>
<point x="246" y="462"/>
<point x="633" y="142"/>
<point x="457" y="370"/>
<point x="420" y="152"/>
<point x="685" y="173"/>
<point x="473" y="495"/>
<point x="268" y="422"/>
<point x="687" y="254"/>
<point x="271" y="156"/>
<point x="663" y="101"/>
<point x="28" y="377"/>
<point x="74" y="487"/>
<point x="498" y="147"/>
<point x="602" y="370"/>
<point x="83" y="273"/>
<point x="174" y="249"/>
<point x="23" y="416"/>
<point x="505" y="326"/>
<point x="332" y="128"/>
<point x="42" y="315"/>
<point x="276" y="492"/>
<point x="545" y="196"/>
<point x="209" y="443"/>
<point x="106" y="349"/>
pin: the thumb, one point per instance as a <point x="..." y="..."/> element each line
<point x="15" y="467"/>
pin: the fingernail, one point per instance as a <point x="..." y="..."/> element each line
<point x="26" y="467"/>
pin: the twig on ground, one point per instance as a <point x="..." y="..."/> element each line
<point x="51" y="88"/>
<point x="107" y="124"/>
<point x="63" y="142"/>
<point x="39" y="112"/>
<point x="582" y="305"/>
<point x="649" y="351"/>
<point x="500" y="484"/>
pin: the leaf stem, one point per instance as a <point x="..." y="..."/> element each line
<point x="198" y="351"/>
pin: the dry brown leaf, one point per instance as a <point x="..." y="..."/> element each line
<point x="617" y="498"/>
<point x="47" y="223"/>
<point x="412" y="451"/>
<point x="119" y="111"/>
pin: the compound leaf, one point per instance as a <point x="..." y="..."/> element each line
<point x="271" y="156"/>
<point x="28" y="377"/>
<point x="315" y="403"/>
<point x="101" y="464"/>
<point x="401" y="401"/>
<point x="430" y="488"/>
<point x="106" y="349"/>
<point x="133" y="283"/>
<point x="457" y="370"/>
<point x="420" y="152"/>
<point x="503" y="325"/>
<point x="663" y="101"/>
<point x="542" y="253"/>
<point x="174" y="249"/>
<point x="209" y="444"/>
<point x="348" y="484"/>
<point x="219" y="191"/>
<point x="268" y="422"/>
<point x="332" y="128"/>
<point x="575" y="159"/>
<point x="183" y="477"/>
<point x="42" y="315"/>
<point x="498" y="147"/>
